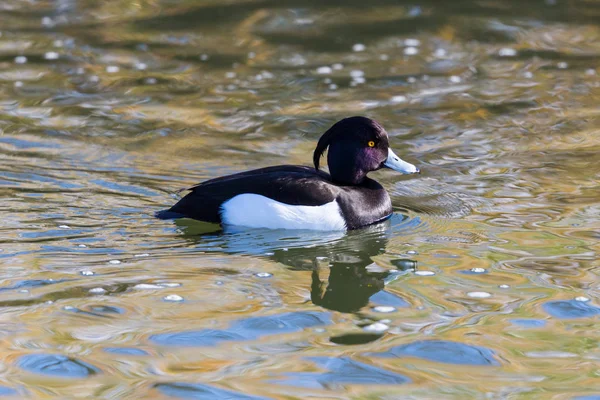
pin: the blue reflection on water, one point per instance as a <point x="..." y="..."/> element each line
<point x="246" y="329"/>
<point x="443" y="351"/>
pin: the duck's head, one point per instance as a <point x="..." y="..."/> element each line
<point x="357" y="146"/>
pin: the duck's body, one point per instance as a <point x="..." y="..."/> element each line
<point x="299" y="197"/>
<point x="313" y="200"/>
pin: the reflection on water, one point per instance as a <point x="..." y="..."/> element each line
<point x="484" y="284"/>
<point x="346" y="257"/>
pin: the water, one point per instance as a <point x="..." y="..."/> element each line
<point x="483" y="285"/>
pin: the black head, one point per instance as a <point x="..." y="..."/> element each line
<point x="357" y="146"/>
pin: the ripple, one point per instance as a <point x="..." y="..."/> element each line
<point x="205" y="337"/>
<point x="444" y="352"/>
<point x="342" y="370"/>
<point x="356" y="338"/>
<point x="200" y="391"/>
<point x="128" y="351"/>
<point x="566" y="309"/>
<point x="386" y="298"/>
<point x="529" y="323"/>
<point x="6" y="391"/>
<point x="247" y="329"/>
<point x="56" y="365"/>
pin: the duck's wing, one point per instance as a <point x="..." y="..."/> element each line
<point x="289" y="184"/>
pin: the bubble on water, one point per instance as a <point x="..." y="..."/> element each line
<point x="153" y="286"/>
<point x="173" y="297"/>
<point x="219" y="283"/>
<point x="478" y="270"/>
<point x="18" y="84"/>
<point x="150" y="81"/>
<point x="87" y="273"/>
<point x="359" y="80"/>
<point x="384" y="309"/>
<point x="412" y="42"/>
<point x="142" y="255"/>
<point x="412" y="252"/>
<point x="324" y="70"/>
<point x="528" y="74"/>
<point x="590" y="71"/>
<point x="47" y="22"/>
<point x="230" y="75"/>
<point x="111" y="69"/>
<point x="384" y="57"/>
<point x="20" y="59"/>
<point x="359" y="47"/>
<point x="58" y="43"/>
<point x="169" y="284"/>
<point x="147" y="286"/>
<point x="141" y="66"/>
<point x="398" y="99"/>
<point x="204" y="57"/>
<point x="411" y="51"/>
<point x="304" y="21"/>
<point x="376" y="327"/>
<point x="439" y="52"/>
<point x="411" y="79"/>
<point x="49" y="302"/>
<point x="51" y="55"/>
<point x="357" y="73"/>
<point x="94" y="79"/>
<point x="263" y="275"/>
<point x="114" y="262"/>
<point x="479" y="295"/>
<point x="337" y="66"/>
<point x="333" y="86"/>
<point x="582" y="299"/>
<point x="98" y="290"/>
<point x="562" y="65"/>
<point x="507" y="52"/>
<point x="82" y="246"/>
<point x="269" y="253"/>
<point x="503" y="286"/>
<point x="69" y="308"/>
<point x="267" y="75"/>
<point x="424" y="273"/>
<point x="455" y="79"/>
<point x="64" y="227"/>
<point x="23" y="291"/>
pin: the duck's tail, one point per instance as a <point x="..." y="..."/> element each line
<point x="168" y="214"/>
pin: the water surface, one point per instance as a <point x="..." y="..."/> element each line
<point x="483" y="285"/>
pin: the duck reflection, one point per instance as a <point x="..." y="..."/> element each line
<point x="348" y="256"/>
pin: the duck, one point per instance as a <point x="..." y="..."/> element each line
<point x="303" y="197"/>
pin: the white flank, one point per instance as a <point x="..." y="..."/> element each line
<point x="256" y="211"/>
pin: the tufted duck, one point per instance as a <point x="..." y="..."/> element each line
<point x="299" y="197"/>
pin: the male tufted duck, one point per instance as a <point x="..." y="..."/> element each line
<point x="299" y="197"/>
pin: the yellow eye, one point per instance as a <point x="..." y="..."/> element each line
<point x="371" y="144"/>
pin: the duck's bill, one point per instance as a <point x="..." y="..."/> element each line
<point x="397" y="164"/>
